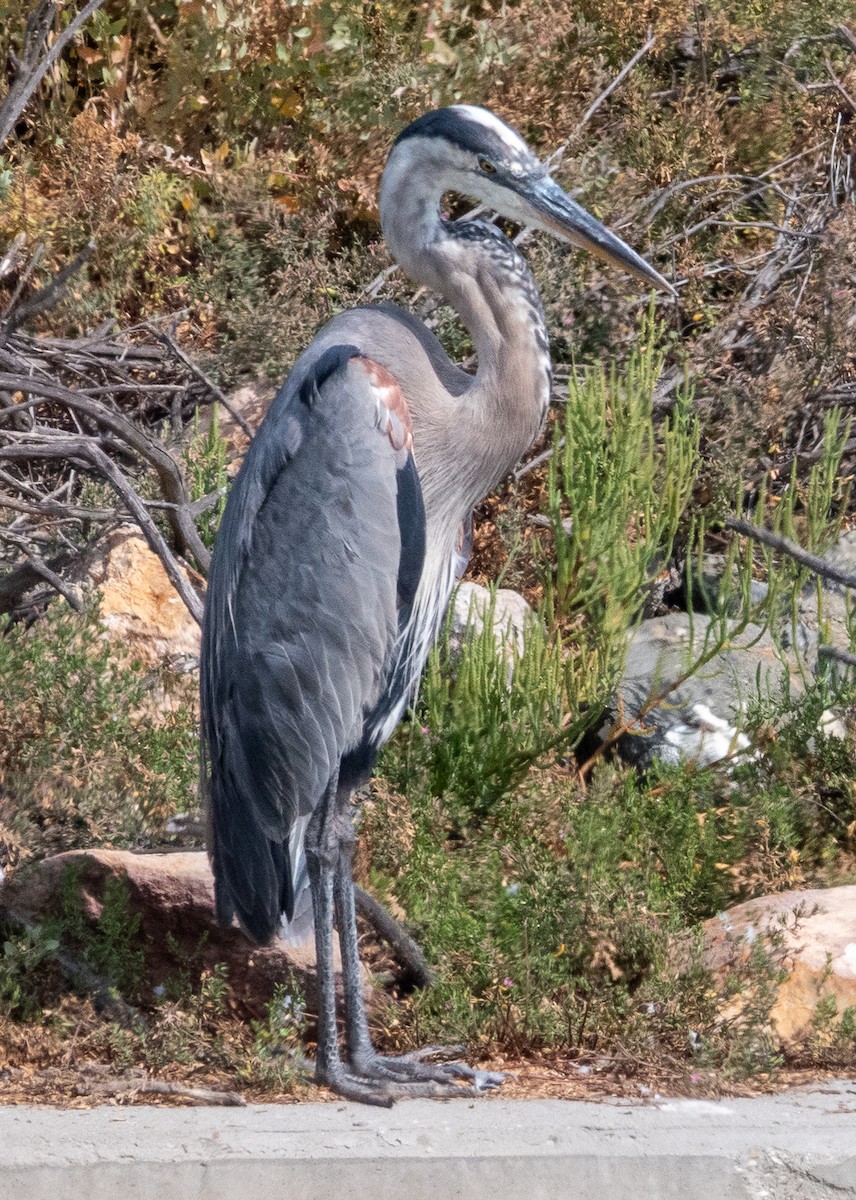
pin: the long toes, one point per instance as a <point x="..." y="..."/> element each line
<point x="384" y="1092"/>
<point x="401" y="1071"/>
<point x="441" y="1052"/>
<point x="482" y="1081"/>
<point x="405" y="1070"/>
<point x="487" y="1081"/>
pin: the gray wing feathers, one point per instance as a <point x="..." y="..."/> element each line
<point x="301" y="617"/>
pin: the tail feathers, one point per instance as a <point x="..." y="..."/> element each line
<point x="262" y="882"/>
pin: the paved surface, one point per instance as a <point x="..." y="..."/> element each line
<point x="796" y="1147"/>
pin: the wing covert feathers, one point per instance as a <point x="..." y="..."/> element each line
<point x="321" y="543"/>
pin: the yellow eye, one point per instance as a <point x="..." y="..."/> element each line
<point x="487" y="167"/>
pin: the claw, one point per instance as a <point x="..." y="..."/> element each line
<point x="486" y="1081"/>
<point x="408" y="1075"/>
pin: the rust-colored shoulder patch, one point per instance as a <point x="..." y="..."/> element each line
<point x="393" y="415"/>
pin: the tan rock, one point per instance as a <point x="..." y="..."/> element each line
<point x="139" y="606"/>
<point x="811" y="934"/>
<point x="511" y="616"/>
<point x="174" y="895"/>
<point x="252" y="402"/>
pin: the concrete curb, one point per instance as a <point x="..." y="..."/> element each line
<point x="799" y="1146"/>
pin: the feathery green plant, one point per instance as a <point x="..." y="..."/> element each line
<point x="205" y="463"/>
<point x="485" y="715"/>
<point x="618" y="490"/>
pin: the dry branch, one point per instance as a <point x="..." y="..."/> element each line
<point x="74" y="408"/>
<point x="212" y="387"/>
<point x="135" y="1086"/>
<point x="390" y="931"/>
<point x="149" y="448"/>
<point x="47" y="296"/>
<point x="36" y="61"/>
<point x="777" y="541"/>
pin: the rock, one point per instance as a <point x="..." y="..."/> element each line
<point x="139" y="606"/>
<point x="829" y="615"/>
<point x="700" y="719"/>
<point x="174" y="895"/>
<point x="511" y="615"/>
<point x="252" y="402"/>
<point x="812" y="937"/>
<point x="707" y="585"/>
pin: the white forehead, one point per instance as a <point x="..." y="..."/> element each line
<point x="490" y="121"/>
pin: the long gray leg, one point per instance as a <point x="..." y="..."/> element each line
<point x="322" y="852"/>
<point x="407" y="1076"/>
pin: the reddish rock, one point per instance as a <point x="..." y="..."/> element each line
<point x="174" y="894"/>
<point x="811" y="934"/>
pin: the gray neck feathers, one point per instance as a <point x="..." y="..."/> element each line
<point x="474" y="439"/>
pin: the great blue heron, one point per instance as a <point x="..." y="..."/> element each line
<point x="341" y="542"/>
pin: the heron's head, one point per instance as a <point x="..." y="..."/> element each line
<point x="470" y="150"/>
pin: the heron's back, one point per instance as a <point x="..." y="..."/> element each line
<point x="302" y="616"/>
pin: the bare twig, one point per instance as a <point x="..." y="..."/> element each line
<point x="215" y="391"/>
<point x="545" y="456"/>
<point x="35" y="63"/>
<point x="149" y="448"/>
<point x="42" y="569"/>
<point x="562" y="150"/>
<point x="35" y="259"/>
<point x="839" y="86"/>
<point x="46" y="296"/>
<point x="85" y="452"/>
<point x="777" y="541"/>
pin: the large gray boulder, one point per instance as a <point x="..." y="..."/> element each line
<point x="702" y="712"/>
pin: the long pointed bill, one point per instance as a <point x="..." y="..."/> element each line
<point x="557" y="213"/>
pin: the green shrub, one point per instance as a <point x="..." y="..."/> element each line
<point x="81" y="760"/>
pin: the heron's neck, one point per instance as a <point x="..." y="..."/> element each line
<point x="482" y="275"/>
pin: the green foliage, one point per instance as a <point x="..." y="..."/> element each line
<point x="618" y="487"/>
<point x="275" y="1059"/>
<point x="188" y="1030"/>
<point x="78" y="755"/>
<point x="550" y="918"/>
<point x="22" y="967"/>
<point x="483" y="718"/>
<point x="549" y="910"/>
<point x="112" y="946"/>
<point x="205" y="470"/>
<point x="618" y="490"/>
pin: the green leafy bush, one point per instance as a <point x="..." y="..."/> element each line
<point x="80" y="759"/>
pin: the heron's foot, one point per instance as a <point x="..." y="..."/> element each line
<point x="411" y="1070"/>
<point x="373" y="1078"/>
<point x="381" y="1085"/>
